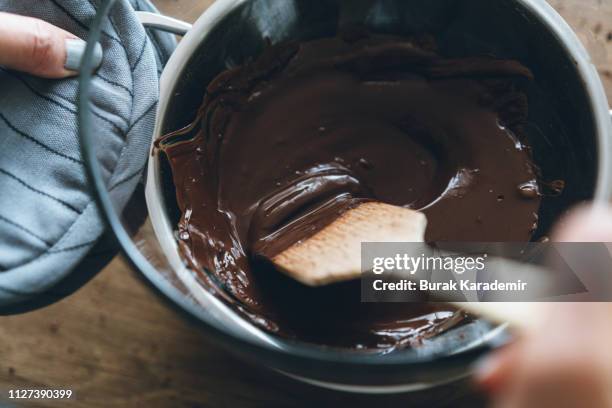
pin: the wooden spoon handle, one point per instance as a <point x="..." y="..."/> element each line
<point x="523" y="315"/>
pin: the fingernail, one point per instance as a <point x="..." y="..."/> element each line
<point x="75" y="49"/>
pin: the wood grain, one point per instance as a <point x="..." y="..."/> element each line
<point x="116" y="343"/>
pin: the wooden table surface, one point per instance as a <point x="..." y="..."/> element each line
<point x="116" y="343"/>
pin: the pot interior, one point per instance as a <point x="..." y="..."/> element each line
<point x="561" y="128"/>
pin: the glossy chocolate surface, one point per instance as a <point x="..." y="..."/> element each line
<point x="285" y="143"/>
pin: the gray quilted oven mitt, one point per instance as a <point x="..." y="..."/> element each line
<point x="48" y="216"/>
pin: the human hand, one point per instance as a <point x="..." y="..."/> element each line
<point x="568" y="361"/>
<point x="39" y="48"/>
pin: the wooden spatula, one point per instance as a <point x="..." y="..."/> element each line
<point x="334" y="254"/>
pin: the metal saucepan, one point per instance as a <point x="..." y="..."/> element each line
<point x="570" y="131"/>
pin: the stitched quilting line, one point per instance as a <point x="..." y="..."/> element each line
<point x="80" y="23"/>
<point x="84" y="27"/>
<point x="110" y="18"/>
<point x="152" y="36"/>
<point x="42" y="95"/>
<point x="117" y="39"/>
<point x="72" y="226"/>
<point x="67" y="232"/>
<point x="63" y="106"/>
<point x="45" y="255"/>
<point x="24" y="229"/>
<point x="31" y="188"/>
<point x="141" y="117"/>
<point x="117" y="84"/>
<point x="72" y="248"/>
<point x="129" y="128"/>
<point x="49" y="252"/>
<point x="155" y="45"/>
<point x="142" y="50"/>
<point x="127" y="57"/>
<point x="127" y="178"/>
<point x="140" y="54"/>
<point x="33" y="140"/>
<point x="146" y="111"/>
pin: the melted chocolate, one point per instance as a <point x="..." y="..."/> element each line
<point x="285" y="143"/>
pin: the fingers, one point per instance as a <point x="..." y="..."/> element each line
<point x="586" y="224"/>
<point x="568" y="362"/>
<point x="39" y="48"/>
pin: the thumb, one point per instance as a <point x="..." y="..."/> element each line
<point x="586" y="224"/>
<point x="39" y="48"/>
